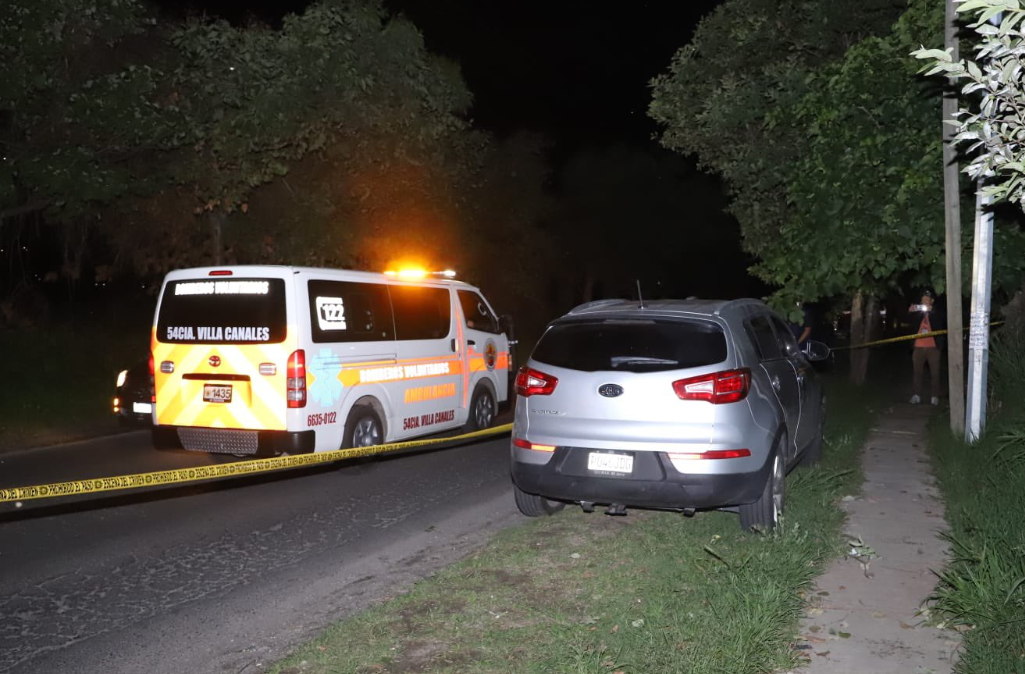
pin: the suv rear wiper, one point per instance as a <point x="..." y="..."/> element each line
<point x="628" y="360"/>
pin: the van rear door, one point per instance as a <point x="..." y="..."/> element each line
<point x="221" y="350"/>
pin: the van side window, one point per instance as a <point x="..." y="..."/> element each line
<point x="421" y="312"/>
<point x="760" y="332"/>
<point x="477" y="313"/>
<point x="342" y="311"/>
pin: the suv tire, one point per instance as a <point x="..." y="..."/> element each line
<point x="532" y="505"/>
<point x="764" y="513"/>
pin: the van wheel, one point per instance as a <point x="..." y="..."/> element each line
<point x="532" y="505"/>
<point x="363" y="428"/>
<point x="482" y="410"/>
<point x="764" y="514"/>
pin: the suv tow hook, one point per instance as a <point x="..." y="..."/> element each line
<point x="616" y="509"/>
<point x="587" y="506"/>
<point x="688" y="512"/>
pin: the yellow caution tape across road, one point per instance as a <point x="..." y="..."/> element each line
<point x="902" y="338"/>
<point x="235" y="469"/>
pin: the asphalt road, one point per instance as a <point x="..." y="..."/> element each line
<point x="224" y="577"/>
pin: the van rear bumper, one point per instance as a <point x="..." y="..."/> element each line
<point x="233" y="441"/>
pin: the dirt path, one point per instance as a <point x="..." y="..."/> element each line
<point x="867" y="617"/>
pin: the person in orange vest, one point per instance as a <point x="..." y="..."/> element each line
<point x="926" y="351"/>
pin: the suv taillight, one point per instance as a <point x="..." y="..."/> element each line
<point x="530" y="382"/>
<point x="296" y="373"/>
<point x="727" y="386"/>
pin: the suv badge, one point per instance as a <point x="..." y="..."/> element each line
<point x="610" y="390"/>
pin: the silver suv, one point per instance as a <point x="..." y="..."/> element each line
<point x="669" y="404"/>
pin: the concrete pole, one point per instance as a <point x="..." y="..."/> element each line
<point x="952" y="216"/>
<point x="978" y="335"/>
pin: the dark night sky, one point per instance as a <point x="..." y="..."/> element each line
<point x="576" y="71"/>
<point x="579" y="73"/>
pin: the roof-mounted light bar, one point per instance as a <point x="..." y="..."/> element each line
<point x="416" y="273"/>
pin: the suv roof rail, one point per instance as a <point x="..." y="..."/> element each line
<point x="595" y="303"/>
<point x="737" y="302"/>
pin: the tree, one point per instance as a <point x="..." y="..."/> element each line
<point x="996" y="125"/>
<point x="854" y="198"/>
<point x="747" y="59"/>
<point x="77" y="126"/>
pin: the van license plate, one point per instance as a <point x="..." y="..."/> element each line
<point x="610" y="463"/>
<point x="216" y="393"/>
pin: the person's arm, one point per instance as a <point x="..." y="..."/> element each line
<point x="804" y="334"/>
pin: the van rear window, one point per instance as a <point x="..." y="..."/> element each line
<point x="223" y="311"/>
<point x="631" y="345"/>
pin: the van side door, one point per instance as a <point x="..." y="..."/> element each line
<point x="429" y="397"/>
<point x="485" y="351"/>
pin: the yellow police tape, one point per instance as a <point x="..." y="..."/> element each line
<point x="902" y="338"/>
<point x="235" y="469"/>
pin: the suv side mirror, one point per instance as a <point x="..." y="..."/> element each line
<point x="814" y="350"/>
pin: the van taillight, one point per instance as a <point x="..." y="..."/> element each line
<point x="530" y="382"/>
<point x="727" y="386"/>
<point x="296" y="394"/>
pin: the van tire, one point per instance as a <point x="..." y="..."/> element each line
<point x="363" y="428"/>
<point x="532" y="505"/>
<point x="482" y="410"/>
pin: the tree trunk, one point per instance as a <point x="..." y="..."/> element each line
<point x="952" y="207"/>
<point x="216" y="234"/>
<point x="862" y="314"/>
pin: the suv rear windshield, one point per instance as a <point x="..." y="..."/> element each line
<point x="222" y="311"/>
<point x="642" y="345"/>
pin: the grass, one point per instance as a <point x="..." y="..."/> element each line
<point x="982" y="589"/>
<point x="60" y="380"/>
<point x="651" y="592"/>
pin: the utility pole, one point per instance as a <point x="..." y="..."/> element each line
<point x="978" y="325"/>
<point x="952" y="216"/>
<point x="978" y="322"/>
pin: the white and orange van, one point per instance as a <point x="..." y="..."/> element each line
<point x="262" y="360"/>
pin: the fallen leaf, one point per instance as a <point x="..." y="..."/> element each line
<point x="638" y="623"/>
<point x="814" y="611"/>
<point x="905" y="626"/>
<point x="823" y="653"/>
<point x="615" y="628"/>
<point x="844" y="635"/>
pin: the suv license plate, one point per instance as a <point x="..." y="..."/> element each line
<point x="216" y="393"/>
<point x="610" y="463"/>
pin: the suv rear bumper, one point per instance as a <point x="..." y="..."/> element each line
<point x="655" y="483"/>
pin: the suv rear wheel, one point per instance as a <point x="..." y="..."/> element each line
<point x="532" y="505"/>
<point x="764" y="513"/>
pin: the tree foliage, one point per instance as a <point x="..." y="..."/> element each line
<point x="76" y="123"/>
<point x="831" y="148"/>
<point x="337" y="139"/>
<point x="994" y="126"/>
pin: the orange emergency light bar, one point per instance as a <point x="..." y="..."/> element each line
<point x="416" y="273"/>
